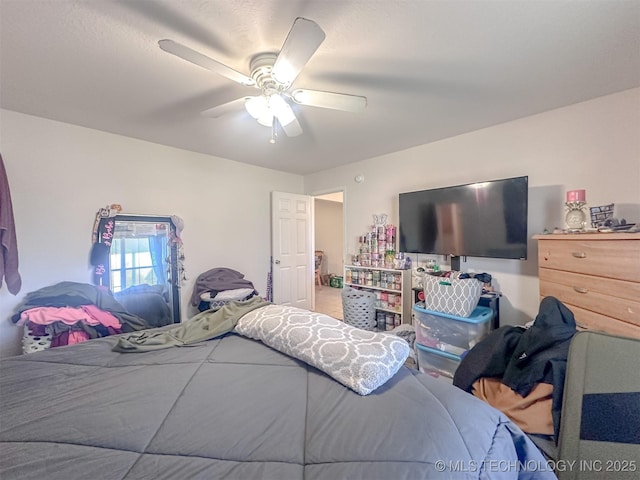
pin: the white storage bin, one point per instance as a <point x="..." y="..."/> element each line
<point x="435" y="362"/>
<point x="450" y="333"/>
<point x="452" y="295"/>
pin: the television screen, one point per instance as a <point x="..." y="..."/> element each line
<point x="485" y="219"/>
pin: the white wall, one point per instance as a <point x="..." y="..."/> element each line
<point x="60" y="175"/>
<point x="594" y="145"/>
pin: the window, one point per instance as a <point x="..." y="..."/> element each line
<point x="131" y="262"/>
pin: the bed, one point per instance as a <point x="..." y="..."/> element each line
<point x="235" y="407"/>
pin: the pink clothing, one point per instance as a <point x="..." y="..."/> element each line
<point x="88" y="314"/>
<point x="105" y="318"/>
<point x="76" y="336"/>
<point x="69" y="338"/>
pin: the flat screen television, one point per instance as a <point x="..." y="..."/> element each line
<point x="484" y="219"/>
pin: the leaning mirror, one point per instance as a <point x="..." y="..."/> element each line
<point x="138" y="258"/>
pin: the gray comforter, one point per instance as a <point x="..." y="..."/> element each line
<point x="235" y="408"/>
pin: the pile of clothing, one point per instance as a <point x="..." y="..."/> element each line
<point x="150" y="302"/>
<point x="521" y="370"/>
<point x="216" y="287"/>
<point x="71" y="312"/>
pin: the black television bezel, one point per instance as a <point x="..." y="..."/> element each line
<point x="462" y="185"/>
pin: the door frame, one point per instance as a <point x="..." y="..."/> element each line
<point x="313" y="195"/>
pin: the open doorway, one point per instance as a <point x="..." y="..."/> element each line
<point x="329" y="245"/>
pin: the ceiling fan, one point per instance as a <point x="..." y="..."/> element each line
<point x="273" y="74"/>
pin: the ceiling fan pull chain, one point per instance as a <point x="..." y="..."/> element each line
<point x="274" y="133"/>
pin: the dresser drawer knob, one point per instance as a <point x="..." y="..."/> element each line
<point x="579" y="254"/>
<point x="581" y="290"/>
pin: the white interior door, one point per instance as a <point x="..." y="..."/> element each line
<point x="291" y="249"/>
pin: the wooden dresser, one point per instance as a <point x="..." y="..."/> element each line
<point x="597" y="276"/>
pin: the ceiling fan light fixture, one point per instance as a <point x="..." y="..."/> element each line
<point x="257" y="106"/>
<point x="281" y="110"/>
<point x="266" y="119"/>
<point x="264" y="108"/>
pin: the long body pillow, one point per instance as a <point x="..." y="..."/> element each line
<point x="359" y="359"/>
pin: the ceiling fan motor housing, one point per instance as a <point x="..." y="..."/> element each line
<point x="261" y="68"/>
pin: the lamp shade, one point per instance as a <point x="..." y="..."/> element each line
<point x="281" y="110"/>
<point x="265" y="108"/>
<point x="257" y="107"/>
<point x="266" y="119"/>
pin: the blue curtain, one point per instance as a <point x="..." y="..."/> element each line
<point x="156" y="248"/>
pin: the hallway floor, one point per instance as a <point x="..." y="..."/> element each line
<point x="329" y="301"/>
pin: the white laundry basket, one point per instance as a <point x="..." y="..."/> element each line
<point x="359" y="308"/>
<point x="34" y="343"/>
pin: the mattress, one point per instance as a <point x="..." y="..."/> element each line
<point x="233" y="407"/>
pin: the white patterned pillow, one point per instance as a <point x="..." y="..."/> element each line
<point x="358" y="359"/>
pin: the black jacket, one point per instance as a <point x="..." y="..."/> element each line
<point x="521" y="357"/>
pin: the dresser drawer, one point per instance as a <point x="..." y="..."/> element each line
<point x="604" y="258"/>
<point x="585" y="284"/>
<point x="587" y="320"/>
<point x="597" y="276"/>
<point x="623" y="309"/>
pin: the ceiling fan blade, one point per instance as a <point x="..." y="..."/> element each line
<point x="292" y="129"/>
<point x="336" y="101"/>
<point x="303" y="40"/>
<point x="203" y="61"/>
<point x="225" y="108"/>
<point x="286" y="118"/>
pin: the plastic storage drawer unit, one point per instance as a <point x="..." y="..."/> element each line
<point x="436" y="362"/>
<point x="450" y="333"/>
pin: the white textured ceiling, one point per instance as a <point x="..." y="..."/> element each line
<point x="430" y="69"/>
